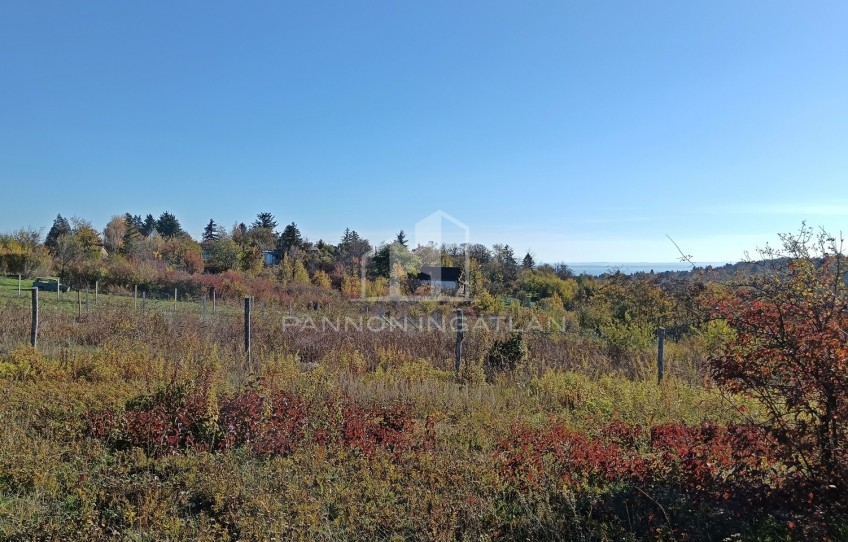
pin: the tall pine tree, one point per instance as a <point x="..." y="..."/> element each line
<point x="211" y="232"/>
<point x="168" y="225"/>
<point x="290" y="238"/>
<point x="60" y="227"/>
<point x="148" y="226"/>
<point x="264" y="220"/>
<point x="131" y="234"/>
<point x="401" y="238"/>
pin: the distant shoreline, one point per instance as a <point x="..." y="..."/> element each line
<point x="629" y="268"/>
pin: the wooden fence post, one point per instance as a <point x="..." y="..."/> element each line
<point x="33" y="335"/>
<point x="96" y="286"/>
<point x="459" y="337"/>
<point x="86" y="300"/>
<point x="143" y="300"/>
<point x="203" y="307"/>
<point x="135" y="296"/>
<point x="19" y="285"/>
<point x="79" y="305"/>
<point x="660" y="341"/>
<point x="213" y="301"/>
<point x="175" y="300"/>
<point x="247" y="304"/>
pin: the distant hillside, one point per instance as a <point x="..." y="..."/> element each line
<point x="726" y="272"/>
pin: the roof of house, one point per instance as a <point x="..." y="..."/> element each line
<point x="449" y="274"/>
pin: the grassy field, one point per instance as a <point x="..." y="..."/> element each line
<point x="10" y="284"/>
<point x="75" y="301"/>
<point x="154" y="424"/>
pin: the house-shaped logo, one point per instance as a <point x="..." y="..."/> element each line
<point x="434" y="267"/>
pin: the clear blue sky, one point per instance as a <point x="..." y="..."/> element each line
<point x="584" y="131"/>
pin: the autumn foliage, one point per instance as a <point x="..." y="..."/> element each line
<point x="134" y="423"/>
<point x="790" y="353"/>
<point x="269" y="423"/>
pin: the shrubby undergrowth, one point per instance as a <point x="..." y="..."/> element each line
<point x="153" y="425"/>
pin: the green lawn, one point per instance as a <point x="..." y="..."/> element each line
<point x="68" y="301"/>
<point x="11" y="284"/>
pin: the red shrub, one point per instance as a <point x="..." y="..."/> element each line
<point x="705" y="462"/>
<point x="271" y="423"/>
<point x="789" y="352"/>
<point x="626" y="435"/>
<point x="529" y="457"/>
<point x="167" y="422"/>
<point x="240" y="418"/>
<point x="285" y="429"/>
<point x="367" y="429"/>
<point x="712" y="462"/>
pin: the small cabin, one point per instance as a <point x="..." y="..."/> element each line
<point x="441" y="279"/>
<point x="270" y="257"/>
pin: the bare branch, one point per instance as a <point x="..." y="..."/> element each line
<point x="683" y="257"/>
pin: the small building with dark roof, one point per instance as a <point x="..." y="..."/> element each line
<point x="271" y="257"/>
<point x="441" y="279"/>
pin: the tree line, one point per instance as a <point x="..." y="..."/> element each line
<point x="129" y="245"/>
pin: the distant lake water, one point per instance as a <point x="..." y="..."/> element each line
<point x="628" y="268"/>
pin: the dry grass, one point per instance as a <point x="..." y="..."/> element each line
<point x="57" y="482"/>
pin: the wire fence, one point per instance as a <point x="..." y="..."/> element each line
<point x="311" y="331"/>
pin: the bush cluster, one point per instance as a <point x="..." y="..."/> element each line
<point x="268" y="423"/>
